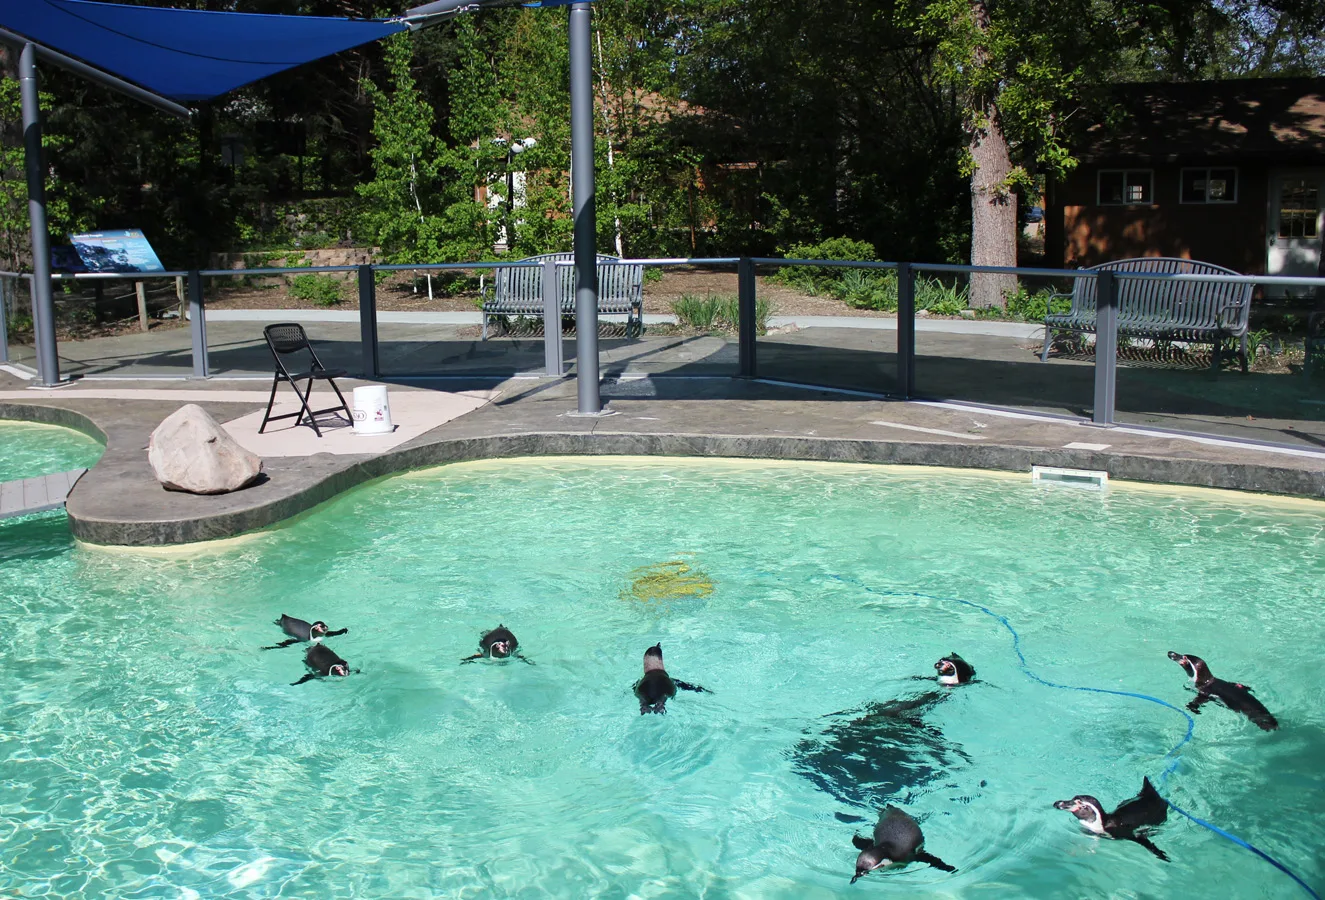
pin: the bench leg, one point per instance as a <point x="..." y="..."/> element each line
<point x="1242" y="354"/>
<point x="1048" y="339"/>
<point x="1216" y="355"/>
<point x="485" y="328"/>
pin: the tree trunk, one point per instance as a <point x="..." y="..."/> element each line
<point x="993" y="206"/>
<point x="993" y="213"/>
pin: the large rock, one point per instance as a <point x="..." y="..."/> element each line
<point x="190" y="451"/>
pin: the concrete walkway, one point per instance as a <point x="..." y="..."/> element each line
<point x="119" y="501"/>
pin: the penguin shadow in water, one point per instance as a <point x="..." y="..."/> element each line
<point x="885" y="750"/>
<point x="896" y="841"/>
<point x="1131" y="821"/>
<point x="499" y="643"/>
<point x="323" y="661"/>
<point x="657" y="687"/>
<point x="303" y="632"/>
<point x="1229" y="694"/>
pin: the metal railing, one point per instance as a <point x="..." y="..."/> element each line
<point x="746" y="269"/>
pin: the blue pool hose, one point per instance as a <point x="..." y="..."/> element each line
<point x="1172" y="755"/>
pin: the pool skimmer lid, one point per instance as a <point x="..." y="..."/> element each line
<point x="1083" y="478"/>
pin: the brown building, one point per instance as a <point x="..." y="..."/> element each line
<point x="1227" y="172"/>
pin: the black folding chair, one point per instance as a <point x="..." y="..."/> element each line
<point x="288" y="338"/>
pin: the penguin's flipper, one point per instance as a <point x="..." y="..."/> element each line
<point x="1145" y="842"/>
<point x="284" y="643"/>
<point x="336" y="632"/>
<point x="309" y="677"/>
<point x="687" y="686"/>
<point x="1200" y="698"/>
<point x="468" y="659"/>
<point x="931" y="859"/>
<point x="523" y="658"/>
<point x="861" y="843"/>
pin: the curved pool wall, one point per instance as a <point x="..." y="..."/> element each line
<point x="154" y="750"/>
<point x="44" y="442"/>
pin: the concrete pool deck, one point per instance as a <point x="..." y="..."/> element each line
<point x="119" y="502"/>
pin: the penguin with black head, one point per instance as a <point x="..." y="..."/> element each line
<point x="1236" y="697"/>
<point x="657" y="687"/>
<point x="499" y="643"/>
<point x="885" y="749"/>
<point x="324" y="662"/>
<point x="303" y="632"/>
<point x="897" y="840"/>
<point x="1131" y="821"/>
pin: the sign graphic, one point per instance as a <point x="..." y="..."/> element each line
<point x="116" y="251"/>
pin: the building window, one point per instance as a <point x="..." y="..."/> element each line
<point x="1126" y="187"/>
<point x="1299" y="208"/>
<point x="1209" y="186"/>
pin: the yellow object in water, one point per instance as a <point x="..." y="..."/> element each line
<point x="664" y="582"/>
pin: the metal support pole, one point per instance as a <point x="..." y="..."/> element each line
<point x="586" y="237"/>
<point x="746" y="332"/>
<point x="552" y="355"/>
<point x="906" y="331"/>
<point x="197" y="325"/>
<point x="43" y="303"/>
<point x="1106" y="347"/>
<point x="7" y="299"/>
<point x="368" y="321"/>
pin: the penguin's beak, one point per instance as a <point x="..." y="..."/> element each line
<point x="1066" y="805"/>
<point x="1177" y="657"/>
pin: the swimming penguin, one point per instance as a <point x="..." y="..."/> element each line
<point x="657" y="687"/>
<point x="1236" y="697"/>
<point x="323" y="661"/>
<point x="300" y="631"/>
<point x="954" y="670"/>
<point x="885" y="750"/>
<point x="499" y="643"/>
<point x="1129" y="822"/>
<point x="897" y="841"/>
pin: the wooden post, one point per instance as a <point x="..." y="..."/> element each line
<point x="142" y="304"/>
<point x="179" y="295"/>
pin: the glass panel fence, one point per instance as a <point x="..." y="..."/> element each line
<point x="690" y="319"/>
<point x="16" y="316"/>
<point x="1168" y="379"/>
<point x="239" y="304"/>
<point x="828" y="323"/>
<point x="431" y="322"/>
<point x="121" y="326"/>
<point x="980" y="339"/>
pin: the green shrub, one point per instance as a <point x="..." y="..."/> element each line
<point x="321" y="290"/>
<point x="867" y="289"/>
<point x="1034" y="306"/>
<point x="941" y="299"/>
<point x="720" y="313"/>
<point x="693" y="311"/>
<point x="822" y="279"/>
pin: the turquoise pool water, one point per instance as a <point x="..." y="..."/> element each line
<point x="149" y="749"/>
<point x="28" y="449"/>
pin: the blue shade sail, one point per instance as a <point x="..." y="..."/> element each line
<point x="184" y="54"/>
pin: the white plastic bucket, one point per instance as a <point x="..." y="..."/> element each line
<point x="372" y="412"/>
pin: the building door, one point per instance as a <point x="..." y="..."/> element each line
<point x="1295" y="225"/>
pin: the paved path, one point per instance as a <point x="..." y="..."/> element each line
<point x="33" y="495"/>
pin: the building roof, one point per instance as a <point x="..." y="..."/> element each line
<point x="1272" y="119"/>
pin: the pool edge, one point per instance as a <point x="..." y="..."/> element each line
<point x="265" y="512"/>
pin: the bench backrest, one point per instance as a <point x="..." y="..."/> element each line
<point x="619" y="284"/>
<point x="1178" y="304"/>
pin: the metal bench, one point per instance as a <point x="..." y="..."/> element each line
<point x="1160" y="309"/>
<point x="518" y="291"/>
